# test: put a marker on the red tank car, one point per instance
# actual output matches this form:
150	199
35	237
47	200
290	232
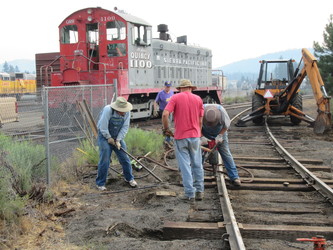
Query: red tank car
98	46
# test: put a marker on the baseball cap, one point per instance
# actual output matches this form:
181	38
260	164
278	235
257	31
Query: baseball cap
167	84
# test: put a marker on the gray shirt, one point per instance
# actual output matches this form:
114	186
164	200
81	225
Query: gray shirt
212	132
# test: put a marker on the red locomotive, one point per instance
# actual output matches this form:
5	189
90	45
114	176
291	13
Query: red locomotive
98	46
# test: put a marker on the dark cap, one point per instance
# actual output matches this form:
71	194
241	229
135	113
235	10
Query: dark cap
212	116
167	84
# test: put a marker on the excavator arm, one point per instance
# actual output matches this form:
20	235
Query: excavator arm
323	121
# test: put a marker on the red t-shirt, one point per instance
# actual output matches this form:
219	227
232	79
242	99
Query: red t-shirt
187	109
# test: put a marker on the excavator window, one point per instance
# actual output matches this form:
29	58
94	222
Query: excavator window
274	75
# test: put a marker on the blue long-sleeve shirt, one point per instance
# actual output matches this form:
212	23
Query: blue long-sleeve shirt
103	123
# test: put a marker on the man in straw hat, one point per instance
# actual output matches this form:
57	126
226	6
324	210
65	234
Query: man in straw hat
112	127
216	122
188	111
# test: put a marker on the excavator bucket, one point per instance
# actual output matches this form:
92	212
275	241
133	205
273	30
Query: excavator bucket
323	123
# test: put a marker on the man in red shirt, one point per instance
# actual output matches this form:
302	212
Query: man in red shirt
188	111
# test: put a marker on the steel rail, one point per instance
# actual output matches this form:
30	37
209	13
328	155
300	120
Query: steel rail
233	234
229	220
307	175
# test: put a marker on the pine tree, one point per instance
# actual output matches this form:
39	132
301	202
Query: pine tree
324	53
6	67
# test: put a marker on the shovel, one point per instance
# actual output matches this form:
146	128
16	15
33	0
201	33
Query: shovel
141	164
323	122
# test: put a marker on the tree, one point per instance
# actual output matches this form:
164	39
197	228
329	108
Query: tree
11	69
324	53
6	67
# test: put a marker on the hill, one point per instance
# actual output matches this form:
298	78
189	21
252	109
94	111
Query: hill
234	71
23	65
249	68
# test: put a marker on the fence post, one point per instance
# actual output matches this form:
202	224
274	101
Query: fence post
115	88
47	133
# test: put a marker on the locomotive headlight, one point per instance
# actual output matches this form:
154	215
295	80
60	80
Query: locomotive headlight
89	18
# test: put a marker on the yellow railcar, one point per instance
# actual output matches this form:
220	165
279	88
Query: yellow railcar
17	84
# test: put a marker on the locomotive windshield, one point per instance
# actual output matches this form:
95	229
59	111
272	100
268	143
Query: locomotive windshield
115	30
69	34
141	35
92	33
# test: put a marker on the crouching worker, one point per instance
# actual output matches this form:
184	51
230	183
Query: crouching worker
216	122
112	127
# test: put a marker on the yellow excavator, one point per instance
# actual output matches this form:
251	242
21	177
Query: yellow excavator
277	93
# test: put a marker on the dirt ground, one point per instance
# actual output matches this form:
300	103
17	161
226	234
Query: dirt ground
122	217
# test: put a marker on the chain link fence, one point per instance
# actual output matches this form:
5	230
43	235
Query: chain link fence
65	121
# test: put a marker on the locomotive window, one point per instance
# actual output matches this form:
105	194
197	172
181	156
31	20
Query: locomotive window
92	33
69	34
116	49
141	35
115	30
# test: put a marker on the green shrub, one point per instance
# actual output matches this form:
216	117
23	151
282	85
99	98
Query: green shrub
140	142
20	168
90	152
237	99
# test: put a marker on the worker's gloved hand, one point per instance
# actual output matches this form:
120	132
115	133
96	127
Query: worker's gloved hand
155	113
204	140
219	139
118	145
111	141
167	132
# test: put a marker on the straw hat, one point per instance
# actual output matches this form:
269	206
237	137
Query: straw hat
185	83
121	105
212	116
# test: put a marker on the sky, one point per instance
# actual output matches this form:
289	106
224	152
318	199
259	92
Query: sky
233	29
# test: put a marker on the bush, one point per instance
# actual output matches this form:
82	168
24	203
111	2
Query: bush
21	169
237	99
140	142
11	205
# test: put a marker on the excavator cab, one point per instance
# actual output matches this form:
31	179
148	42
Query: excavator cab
277	93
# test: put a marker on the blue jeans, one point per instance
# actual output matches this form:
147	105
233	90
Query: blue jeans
105	151
227	158
188	154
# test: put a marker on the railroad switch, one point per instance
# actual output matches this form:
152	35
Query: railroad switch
319	242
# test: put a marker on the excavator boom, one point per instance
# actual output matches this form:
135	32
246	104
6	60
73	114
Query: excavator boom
323	121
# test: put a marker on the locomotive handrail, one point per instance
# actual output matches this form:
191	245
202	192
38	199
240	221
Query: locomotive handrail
46	68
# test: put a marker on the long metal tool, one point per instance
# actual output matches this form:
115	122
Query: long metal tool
159	179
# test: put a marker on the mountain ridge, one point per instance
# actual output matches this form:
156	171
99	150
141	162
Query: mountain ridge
233	71
249	68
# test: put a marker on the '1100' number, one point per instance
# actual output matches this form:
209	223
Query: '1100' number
107	18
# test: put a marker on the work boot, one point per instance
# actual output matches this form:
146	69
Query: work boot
187	199
237	182
199	196
132	183
101	188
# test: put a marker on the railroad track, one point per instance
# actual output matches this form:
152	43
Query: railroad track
282	197
273	207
